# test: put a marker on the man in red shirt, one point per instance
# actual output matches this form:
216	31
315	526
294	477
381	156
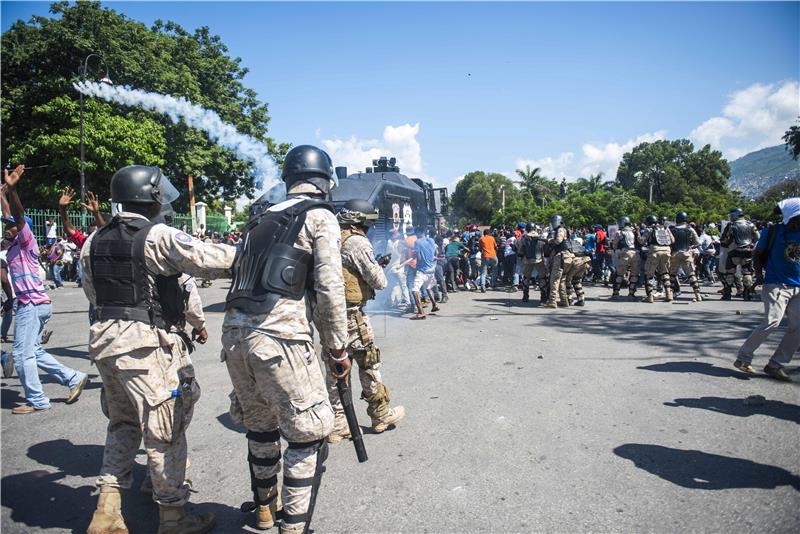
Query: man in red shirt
600	253
73	234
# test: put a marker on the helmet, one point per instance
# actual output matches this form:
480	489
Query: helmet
142	184
663	219
624	221
735	214
306	163
556	221
529	227
167	215
357	212
681	217
650	220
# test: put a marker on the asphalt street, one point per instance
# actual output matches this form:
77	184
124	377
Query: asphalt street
616	417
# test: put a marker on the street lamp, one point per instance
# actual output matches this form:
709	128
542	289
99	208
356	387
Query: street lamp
503	191
105	79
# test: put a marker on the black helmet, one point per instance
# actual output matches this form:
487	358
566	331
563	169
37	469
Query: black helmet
167	215
681	217
663	219
357	212
556	221
529	227
142	184
735	214
650	220
624	221
306	163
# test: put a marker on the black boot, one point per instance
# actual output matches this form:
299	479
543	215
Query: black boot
525	293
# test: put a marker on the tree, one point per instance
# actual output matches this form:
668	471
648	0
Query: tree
478	195
589	185
40	112
792	140
673	169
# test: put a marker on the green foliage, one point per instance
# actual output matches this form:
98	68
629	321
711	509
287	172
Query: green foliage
792	140
40	111
478	195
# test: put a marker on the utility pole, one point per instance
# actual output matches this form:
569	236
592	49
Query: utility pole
191	205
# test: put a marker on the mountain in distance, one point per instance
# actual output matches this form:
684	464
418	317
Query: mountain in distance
754	173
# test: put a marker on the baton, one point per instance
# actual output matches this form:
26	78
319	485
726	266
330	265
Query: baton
350	413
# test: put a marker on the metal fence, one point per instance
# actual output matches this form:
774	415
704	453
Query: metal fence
214	222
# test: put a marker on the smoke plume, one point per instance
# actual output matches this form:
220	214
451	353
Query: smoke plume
179	109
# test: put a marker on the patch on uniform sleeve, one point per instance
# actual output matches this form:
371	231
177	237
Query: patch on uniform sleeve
184	238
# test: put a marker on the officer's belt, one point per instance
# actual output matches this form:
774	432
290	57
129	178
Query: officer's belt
123	313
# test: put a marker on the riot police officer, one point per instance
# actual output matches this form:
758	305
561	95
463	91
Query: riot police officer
287	272
684	240
739	237
531	248
560	260
363	275
131	270
658	241
627	258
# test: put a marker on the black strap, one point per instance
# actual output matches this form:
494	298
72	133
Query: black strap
270	436
265	482
122	313
262	462
306	444
295	518
298	482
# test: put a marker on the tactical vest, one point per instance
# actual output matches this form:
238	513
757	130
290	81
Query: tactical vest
659	236
356	289
742	233
122	282
627	240
534	248
564	246
267	265
681	235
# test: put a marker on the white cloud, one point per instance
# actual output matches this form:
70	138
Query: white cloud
551	167
398	141
606	158
753	118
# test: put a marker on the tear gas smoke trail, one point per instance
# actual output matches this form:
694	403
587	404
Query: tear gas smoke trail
180	109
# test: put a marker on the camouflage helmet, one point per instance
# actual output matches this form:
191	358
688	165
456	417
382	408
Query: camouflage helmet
357	212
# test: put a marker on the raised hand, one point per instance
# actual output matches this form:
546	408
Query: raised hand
66	197
12	179
92	204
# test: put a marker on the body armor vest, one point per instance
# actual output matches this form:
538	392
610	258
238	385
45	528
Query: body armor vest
659	237
742	233
122	282
627	239
681	234
564	246
267	265
534	248
356	289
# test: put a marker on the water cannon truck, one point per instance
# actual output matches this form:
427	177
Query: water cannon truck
402	202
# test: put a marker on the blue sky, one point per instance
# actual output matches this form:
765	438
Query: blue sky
449	88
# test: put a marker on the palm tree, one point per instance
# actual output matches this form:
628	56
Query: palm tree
531	181
590	185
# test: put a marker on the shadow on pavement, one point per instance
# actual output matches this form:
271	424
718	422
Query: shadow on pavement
702	470
218	307
702	368
226	421
737	407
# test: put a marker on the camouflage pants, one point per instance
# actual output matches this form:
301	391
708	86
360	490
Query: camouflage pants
657	263
628	260
361	349
528	268
558	266
279	387
683	259
137	399
739	258
573	277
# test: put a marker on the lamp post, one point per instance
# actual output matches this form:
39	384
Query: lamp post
503	191
105	79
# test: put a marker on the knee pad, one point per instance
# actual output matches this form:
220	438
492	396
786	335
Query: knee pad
320	448
269	437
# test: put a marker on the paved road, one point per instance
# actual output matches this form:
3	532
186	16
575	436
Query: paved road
620	417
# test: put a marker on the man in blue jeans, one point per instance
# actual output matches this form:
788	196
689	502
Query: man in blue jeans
33	308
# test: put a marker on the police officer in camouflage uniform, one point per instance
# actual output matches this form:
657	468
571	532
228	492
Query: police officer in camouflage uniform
131	270
684	240
560	261
287	273
658	240
531	248
573	277
627	257
739	237
363	275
